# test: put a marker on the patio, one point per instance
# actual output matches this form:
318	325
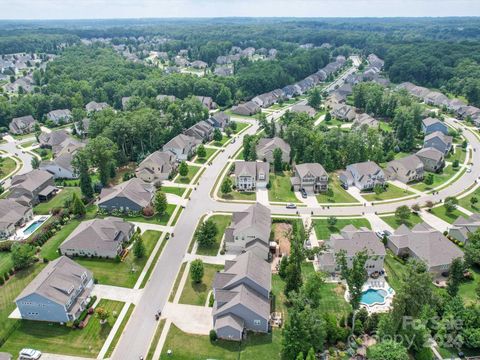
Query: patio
30	227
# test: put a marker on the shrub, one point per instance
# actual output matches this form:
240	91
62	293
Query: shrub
213	335
211	300
148	211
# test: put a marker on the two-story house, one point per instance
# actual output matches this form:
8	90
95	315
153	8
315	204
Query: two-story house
266	147
407	169
310	177
156	167
365	175
439	141
430	125
182	146
464	226
251	175
433	160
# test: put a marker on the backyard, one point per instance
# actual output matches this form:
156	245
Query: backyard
324	230
57	201
392	221
192	170
125	273
222	221
7	166
391	192
196	293
281	188
6	262
336	193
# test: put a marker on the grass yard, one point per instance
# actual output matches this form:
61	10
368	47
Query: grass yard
156	338
392	221
334	122
6	262
220	143
45	154
392	192
332	300
7	166
192	170
459	154
209	153
222	221
281	188
160	220
438	179
195	347
395	270
240	126
196	294
173	190
238	195
57	201
323	230
119	331
465	201
58	339
110	272
177	282
28	143
49	249
468	288
337	193
441	212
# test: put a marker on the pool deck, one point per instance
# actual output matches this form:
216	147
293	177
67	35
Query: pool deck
376	284
20	233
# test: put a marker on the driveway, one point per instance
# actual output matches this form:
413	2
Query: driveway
434	221
189	318
262	197
117	293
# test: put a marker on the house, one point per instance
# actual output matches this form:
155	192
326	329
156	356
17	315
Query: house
201	131
265	100
198	64
310	177
207	101
345	90
170	98
343	112
59	293
365	120
94	106
433	160
60	116
427	244
365	175
98	238
60	167
436	98
462	227
219	120
310	111
407	169
247	109
182	146
351	241
249	230
291	91
242	297
430	125
266	147
250	175
52	139
374	60
333	100
132	195
22	125
223	71
156	167
33	187
12	215
439	141
69	145
81	127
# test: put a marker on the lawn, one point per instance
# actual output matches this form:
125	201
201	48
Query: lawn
209	153
391	192
160	220
438	179
323	230
196	293
119	331
220	143
45	154
126	273
57	201
177	282
6	262
222	221
173	190
58	339
465	201
240	127
392	221
156	338
7	166
334	122
395	270
238	195
332	300
192	170
28	143
281	188
468	288
49	249
337	193
441	212
460	154
195	347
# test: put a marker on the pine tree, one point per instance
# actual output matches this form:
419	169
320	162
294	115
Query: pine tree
78	208
160	202
139	248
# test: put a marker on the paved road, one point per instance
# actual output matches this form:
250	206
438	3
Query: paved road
11	147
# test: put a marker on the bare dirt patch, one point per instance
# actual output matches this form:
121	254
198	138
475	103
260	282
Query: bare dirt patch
281	233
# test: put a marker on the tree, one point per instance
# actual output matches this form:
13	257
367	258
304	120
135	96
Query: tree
472	249
311	289
455	164
201	152
455	276
388	349
139	247
80	165
224	97
226	187
300	356
428	180
378	189
196	270
35	162
315	98
206	233
217	135
102	314
160	202
311	355
450	204
293	271
416	208
473	201
277	160
332	221
78	208
23	255
102	153
328	116
402	214
355	275
183	169
282	268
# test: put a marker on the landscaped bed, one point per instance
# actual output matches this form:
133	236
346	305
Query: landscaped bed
391	192
323	230
281	188
155	219
196	293
222	221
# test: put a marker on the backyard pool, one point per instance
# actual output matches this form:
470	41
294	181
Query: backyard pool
33	226
372	296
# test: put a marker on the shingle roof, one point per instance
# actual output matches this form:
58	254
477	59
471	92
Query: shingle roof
270	144
446	139
11	212
315	169
181	141
157	163
353	240
31	180
430	153
136	190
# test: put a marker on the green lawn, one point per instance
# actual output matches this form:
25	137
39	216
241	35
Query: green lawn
240	127
465	201
468	288
239	195
332	300
459	154
337	193
395	270
6	262
392	221
323	230
58	339
220	143
438	179
45	154
441	212
196	293
222	221
281	188
28	143
57	201
209	152
7	166
119	331
49	249
198	347
173	190
156	338
334	122
192	170
160	220
392	192
177	282
110	272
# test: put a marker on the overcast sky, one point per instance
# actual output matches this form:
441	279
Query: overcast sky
90	9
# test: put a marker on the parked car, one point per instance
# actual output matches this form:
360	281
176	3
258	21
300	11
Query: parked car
345	186
304	193
29	354
291	206
387	232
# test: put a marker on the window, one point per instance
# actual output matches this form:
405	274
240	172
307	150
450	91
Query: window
256	322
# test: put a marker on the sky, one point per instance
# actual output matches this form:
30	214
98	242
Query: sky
103	9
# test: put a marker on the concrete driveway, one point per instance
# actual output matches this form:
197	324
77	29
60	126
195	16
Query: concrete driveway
117	293
189	318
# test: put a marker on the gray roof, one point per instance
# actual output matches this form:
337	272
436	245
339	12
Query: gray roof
410	163
446	139
366	168
31	180
163	97
431	121
229	320
57	115
365	119
430	153
157	163
182	141
53	138
315	169
467	225
135	190
11	212
257	216
270	144
303	109
353	240
94	106
57	281
427	244
251	168
99	234
23	122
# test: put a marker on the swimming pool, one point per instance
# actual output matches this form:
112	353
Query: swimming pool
33	226
372	296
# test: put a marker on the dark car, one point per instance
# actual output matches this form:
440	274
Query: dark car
304	193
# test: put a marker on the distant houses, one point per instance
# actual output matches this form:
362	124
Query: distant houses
430	125
219	120
59	116
182	146
22	125
307	109
251	175
365	120
93	106
247	109
365	175
12	216
266	147
439	141
343	112
156	167
310	177
132	195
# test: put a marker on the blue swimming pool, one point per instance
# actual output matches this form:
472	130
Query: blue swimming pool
372	296
32	227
